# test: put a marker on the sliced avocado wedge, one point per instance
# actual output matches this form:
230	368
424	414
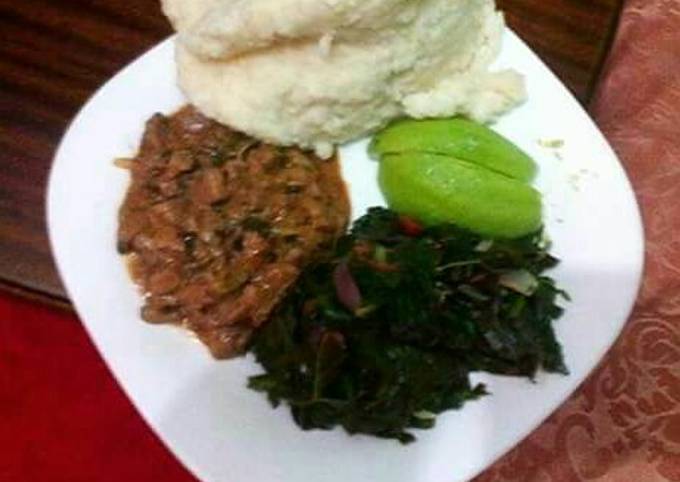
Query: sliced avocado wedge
456	137
439	189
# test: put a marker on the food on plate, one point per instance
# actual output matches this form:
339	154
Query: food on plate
382	334
315	73
457	171
457	137
217	226
243	241
438	189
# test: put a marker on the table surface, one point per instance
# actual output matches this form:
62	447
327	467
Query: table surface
55	53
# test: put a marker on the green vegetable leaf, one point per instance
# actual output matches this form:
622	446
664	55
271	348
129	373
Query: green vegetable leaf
436	306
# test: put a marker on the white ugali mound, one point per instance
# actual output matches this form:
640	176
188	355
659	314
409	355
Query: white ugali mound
321	72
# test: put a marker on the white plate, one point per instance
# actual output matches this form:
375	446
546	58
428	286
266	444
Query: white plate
202	409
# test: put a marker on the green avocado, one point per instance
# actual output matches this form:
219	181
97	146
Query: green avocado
456	137
441	189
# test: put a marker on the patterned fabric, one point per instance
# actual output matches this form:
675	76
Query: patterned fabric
623	424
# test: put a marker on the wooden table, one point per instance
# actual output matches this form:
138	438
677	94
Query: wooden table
55	53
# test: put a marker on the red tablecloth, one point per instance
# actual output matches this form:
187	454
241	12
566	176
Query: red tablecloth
62	416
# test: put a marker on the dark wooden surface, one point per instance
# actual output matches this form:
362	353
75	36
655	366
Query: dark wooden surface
55	53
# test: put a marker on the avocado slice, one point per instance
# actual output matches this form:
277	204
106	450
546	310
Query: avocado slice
439	189
455	137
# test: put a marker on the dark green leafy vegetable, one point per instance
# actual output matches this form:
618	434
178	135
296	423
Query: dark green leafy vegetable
435	305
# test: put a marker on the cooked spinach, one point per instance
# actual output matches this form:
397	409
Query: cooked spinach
426	307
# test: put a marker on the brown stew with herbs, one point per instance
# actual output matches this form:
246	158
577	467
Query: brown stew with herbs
217	225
